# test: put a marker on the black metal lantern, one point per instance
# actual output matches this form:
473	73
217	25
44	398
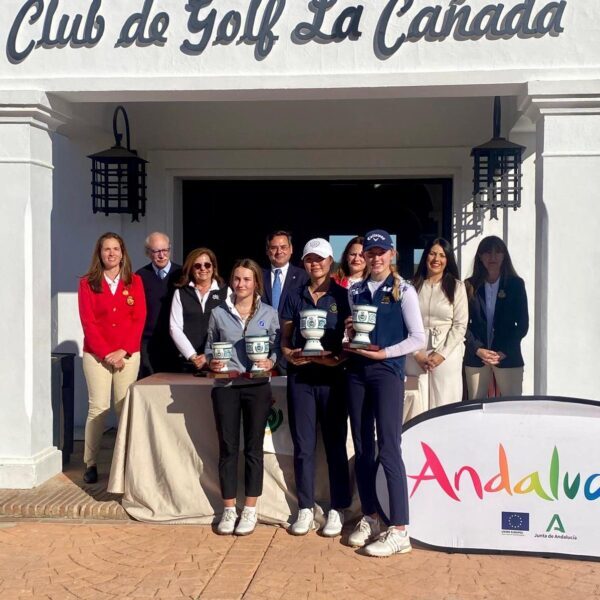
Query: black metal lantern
119	177
497	171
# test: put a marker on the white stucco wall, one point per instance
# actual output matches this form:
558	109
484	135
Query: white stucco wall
314	109
167	167
574	53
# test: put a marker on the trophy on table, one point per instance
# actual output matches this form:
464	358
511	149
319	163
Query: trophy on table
257	348
364	317
312	328
223	351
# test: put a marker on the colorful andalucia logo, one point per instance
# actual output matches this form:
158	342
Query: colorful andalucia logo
550	488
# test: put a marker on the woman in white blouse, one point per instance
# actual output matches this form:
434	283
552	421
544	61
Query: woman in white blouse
444	308
200	289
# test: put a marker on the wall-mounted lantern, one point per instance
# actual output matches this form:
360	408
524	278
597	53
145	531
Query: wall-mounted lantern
497	171
119	177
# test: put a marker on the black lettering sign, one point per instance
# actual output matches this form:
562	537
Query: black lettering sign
45	24
229	27
265	38
433	23
345	26
135	27
382	50
71	31
197	25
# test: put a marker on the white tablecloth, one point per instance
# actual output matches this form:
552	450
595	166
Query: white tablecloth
166	456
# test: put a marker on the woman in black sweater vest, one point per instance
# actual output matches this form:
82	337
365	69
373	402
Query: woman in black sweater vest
199	290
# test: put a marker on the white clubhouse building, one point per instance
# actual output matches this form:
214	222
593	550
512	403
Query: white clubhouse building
228	91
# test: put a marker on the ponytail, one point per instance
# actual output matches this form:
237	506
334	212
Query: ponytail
253	311
396	293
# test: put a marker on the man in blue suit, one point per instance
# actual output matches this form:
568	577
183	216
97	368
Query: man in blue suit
282	278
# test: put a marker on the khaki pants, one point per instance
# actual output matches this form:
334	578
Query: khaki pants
443	385
100	379
509	381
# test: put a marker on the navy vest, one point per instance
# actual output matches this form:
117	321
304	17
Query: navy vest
389	328
159	293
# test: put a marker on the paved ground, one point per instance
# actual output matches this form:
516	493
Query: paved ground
90	550
66	496
103	561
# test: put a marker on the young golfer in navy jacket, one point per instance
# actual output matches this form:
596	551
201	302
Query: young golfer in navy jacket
316	390
376	394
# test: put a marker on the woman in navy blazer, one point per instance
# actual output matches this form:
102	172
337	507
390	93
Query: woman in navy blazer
498	321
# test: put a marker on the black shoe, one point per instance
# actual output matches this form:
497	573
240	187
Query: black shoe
91	474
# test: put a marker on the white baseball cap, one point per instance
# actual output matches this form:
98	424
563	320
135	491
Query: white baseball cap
318	246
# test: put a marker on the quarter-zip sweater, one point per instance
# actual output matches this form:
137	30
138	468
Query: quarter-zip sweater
226	325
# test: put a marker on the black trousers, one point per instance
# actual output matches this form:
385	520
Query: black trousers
230	404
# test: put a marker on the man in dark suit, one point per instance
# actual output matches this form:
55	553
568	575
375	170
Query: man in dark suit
158	352
282	278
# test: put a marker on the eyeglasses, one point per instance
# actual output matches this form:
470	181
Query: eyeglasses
161	251
206	265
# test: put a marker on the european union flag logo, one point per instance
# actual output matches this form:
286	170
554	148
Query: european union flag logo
514	521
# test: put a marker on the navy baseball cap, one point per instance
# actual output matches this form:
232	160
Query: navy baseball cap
377	238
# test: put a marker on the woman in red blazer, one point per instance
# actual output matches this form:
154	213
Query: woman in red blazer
112	308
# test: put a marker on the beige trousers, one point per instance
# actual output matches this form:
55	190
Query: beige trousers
100	379
509	381
439	387
414	403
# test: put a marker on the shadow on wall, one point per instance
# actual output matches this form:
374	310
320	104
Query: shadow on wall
470	221
73	230
79	386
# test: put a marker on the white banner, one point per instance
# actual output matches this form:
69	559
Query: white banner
506	475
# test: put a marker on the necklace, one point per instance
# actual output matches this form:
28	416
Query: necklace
111	277
243	313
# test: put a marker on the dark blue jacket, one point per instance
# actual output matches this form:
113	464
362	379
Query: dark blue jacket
157	342
511	323
335	302
390	327
295	279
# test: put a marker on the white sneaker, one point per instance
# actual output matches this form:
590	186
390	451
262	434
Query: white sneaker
227	523
393	541
366	530
247	522
304	522
335	522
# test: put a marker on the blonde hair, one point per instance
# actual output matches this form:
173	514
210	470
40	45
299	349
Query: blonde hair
396	294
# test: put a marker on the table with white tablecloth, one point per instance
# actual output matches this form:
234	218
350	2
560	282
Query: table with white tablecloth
165	461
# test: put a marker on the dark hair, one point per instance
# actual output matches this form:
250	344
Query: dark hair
188	267
450	274
96	271
487	244
279	232
248	263
343	269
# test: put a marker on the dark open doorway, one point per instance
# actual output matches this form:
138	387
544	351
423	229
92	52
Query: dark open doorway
233	217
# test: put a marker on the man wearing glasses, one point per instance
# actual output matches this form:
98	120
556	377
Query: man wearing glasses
158	353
